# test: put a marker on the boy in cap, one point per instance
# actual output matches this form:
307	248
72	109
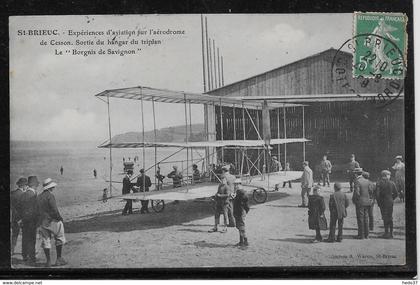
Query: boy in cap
16	207
51	223
386	192
240	209
29	220
338	205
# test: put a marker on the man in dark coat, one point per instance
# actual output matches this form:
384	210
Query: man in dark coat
16	207
240	209
51	223
127	185
353	164
337	205
144	183
370	212
29	220
386	192
363	199
316	207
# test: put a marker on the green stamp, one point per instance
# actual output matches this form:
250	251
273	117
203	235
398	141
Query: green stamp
380	41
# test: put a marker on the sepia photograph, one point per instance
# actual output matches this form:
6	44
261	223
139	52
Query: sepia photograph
209	141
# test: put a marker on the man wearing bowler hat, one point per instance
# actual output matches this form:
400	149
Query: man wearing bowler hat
51	223
29	220
16	207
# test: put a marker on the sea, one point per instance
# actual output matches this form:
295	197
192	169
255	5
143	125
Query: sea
77	184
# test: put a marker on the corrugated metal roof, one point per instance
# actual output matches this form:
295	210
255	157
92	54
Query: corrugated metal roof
254	77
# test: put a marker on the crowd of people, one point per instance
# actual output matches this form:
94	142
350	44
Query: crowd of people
144	183
33	213
364	195
231	200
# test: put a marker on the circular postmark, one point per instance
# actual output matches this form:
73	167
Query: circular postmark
376	76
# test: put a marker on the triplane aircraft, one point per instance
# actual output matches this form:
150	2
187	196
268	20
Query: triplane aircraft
255	180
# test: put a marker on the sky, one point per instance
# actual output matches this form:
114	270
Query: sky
52	96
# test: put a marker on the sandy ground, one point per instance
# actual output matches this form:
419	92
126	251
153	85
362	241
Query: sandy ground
98	236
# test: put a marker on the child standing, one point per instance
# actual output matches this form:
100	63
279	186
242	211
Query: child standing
240	209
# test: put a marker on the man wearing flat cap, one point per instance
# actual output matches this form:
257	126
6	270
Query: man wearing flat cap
29	220
362	199
51	223
386	192
399	168
16	207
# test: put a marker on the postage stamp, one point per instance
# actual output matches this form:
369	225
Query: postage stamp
382	53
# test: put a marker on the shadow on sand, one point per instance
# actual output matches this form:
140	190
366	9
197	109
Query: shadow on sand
205	244
283	206
174	214
296	240
195	230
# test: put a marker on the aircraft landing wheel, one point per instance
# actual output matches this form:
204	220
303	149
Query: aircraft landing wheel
158	205
259	195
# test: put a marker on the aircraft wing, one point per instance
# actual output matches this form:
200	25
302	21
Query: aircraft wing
172	96
190	192
203	144
269	181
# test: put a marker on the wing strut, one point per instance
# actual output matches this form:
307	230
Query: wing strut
110	151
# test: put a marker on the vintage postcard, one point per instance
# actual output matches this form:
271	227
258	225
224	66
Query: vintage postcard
209	141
